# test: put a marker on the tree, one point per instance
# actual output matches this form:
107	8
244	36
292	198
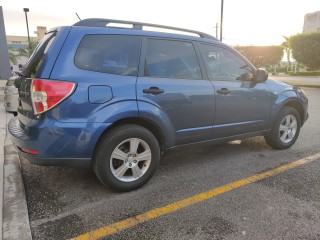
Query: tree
262	56
15	54
27	52
12	55
287	49
306	48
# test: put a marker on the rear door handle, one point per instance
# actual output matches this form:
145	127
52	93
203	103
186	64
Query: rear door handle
153	90
224	91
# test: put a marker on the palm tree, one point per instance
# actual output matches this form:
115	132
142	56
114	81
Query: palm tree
12	55
27	52
15	54
288	51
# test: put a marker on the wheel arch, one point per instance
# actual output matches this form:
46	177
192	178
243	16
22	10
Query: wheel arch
275	137
287	98
151	126
298	107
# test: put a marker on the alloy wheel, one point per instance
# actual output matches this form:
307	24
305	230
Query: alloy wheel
130	160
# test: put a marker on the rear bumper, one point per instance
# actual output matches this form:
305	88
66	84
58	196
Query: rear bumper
63	144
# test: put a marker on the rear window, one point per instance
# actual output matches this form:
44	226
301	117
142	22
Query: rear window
114	54
37	56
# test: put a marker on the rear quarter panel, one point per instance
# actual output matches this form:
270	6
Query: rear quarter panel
78	107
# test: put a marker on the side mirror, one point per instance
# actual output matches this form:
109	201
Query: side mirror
261	75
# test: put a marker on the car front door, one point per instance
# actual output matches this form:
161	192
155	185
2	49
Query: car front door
242	104
170	86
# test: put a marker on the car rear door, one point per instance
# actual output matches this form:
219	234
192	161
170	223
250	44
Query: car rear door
170	85
242	105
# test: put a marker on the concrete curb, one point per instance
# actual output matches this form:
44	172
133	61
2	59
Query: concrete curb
15	211
3	121
15	219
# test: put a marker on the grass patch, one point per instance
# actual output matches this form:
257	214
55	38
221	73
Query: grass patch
308	73
303	84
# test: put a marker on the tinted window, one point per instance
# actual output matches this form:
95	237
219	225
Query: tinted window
37	56
223	64
114	54
171	59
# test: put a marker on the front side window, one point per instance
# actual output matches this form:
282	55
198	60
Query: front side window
171	59
114	54
225	65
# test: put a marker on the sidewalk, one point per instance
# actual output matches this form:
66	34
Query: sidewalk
14	212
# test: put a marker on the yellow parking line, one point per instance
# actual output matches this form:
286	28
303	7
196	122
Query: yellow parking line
157	212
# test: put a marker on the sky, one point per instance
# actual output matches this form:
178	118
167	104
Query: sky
245	22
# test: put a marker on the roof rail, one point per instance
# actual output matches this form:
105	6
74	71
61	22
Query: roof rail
100	22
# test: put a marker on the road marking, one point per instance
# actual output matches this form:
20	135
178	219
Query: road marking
157	212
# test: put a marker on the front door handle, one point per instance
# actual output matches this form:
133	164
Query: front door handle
224	91
153	90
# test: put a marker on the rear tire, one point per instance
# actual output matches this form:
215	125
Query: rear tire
285	130
126	157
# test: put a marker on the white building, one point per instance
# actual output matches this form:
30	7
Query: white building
311	22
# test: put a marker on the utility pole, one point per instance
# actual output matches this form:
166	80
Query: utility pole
221	20
216	30
25	12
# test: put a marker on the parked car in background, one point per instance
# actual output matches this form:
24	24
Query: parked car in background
11	96
117	99
14	74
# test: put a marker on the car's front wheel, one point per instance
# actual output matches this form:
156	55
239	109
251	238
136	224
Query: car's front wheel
126	157
285	130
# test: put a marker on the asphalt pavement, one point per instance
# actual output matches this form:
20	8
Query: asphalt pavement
63	203
66	202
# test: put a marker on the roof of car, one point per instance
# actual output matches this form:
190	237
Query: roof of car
107	23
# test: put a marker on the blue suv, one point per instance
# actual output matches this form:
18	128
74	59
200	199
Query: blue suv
112	95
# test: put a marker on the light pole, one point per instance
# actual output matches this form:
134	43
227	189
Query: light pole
221	20
25	12
217	30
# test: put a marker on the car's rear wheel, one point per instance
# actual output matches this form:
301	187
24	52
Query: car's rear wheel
286	129
126	157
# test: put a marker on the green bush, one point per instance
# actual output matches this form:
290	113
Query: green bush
305	48
262	56
308	73
280	69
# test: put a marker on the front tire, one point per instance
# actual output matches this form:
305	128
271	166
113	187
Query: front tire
285	130
126	157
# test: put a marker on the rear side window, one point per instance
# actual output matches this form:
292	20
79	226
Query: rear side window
114	54
37	56
171	59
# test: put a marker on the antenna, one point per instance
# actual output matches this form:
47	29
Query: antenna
78	16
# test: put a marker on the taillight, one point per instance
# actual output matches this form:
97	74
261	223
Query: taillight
46	94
